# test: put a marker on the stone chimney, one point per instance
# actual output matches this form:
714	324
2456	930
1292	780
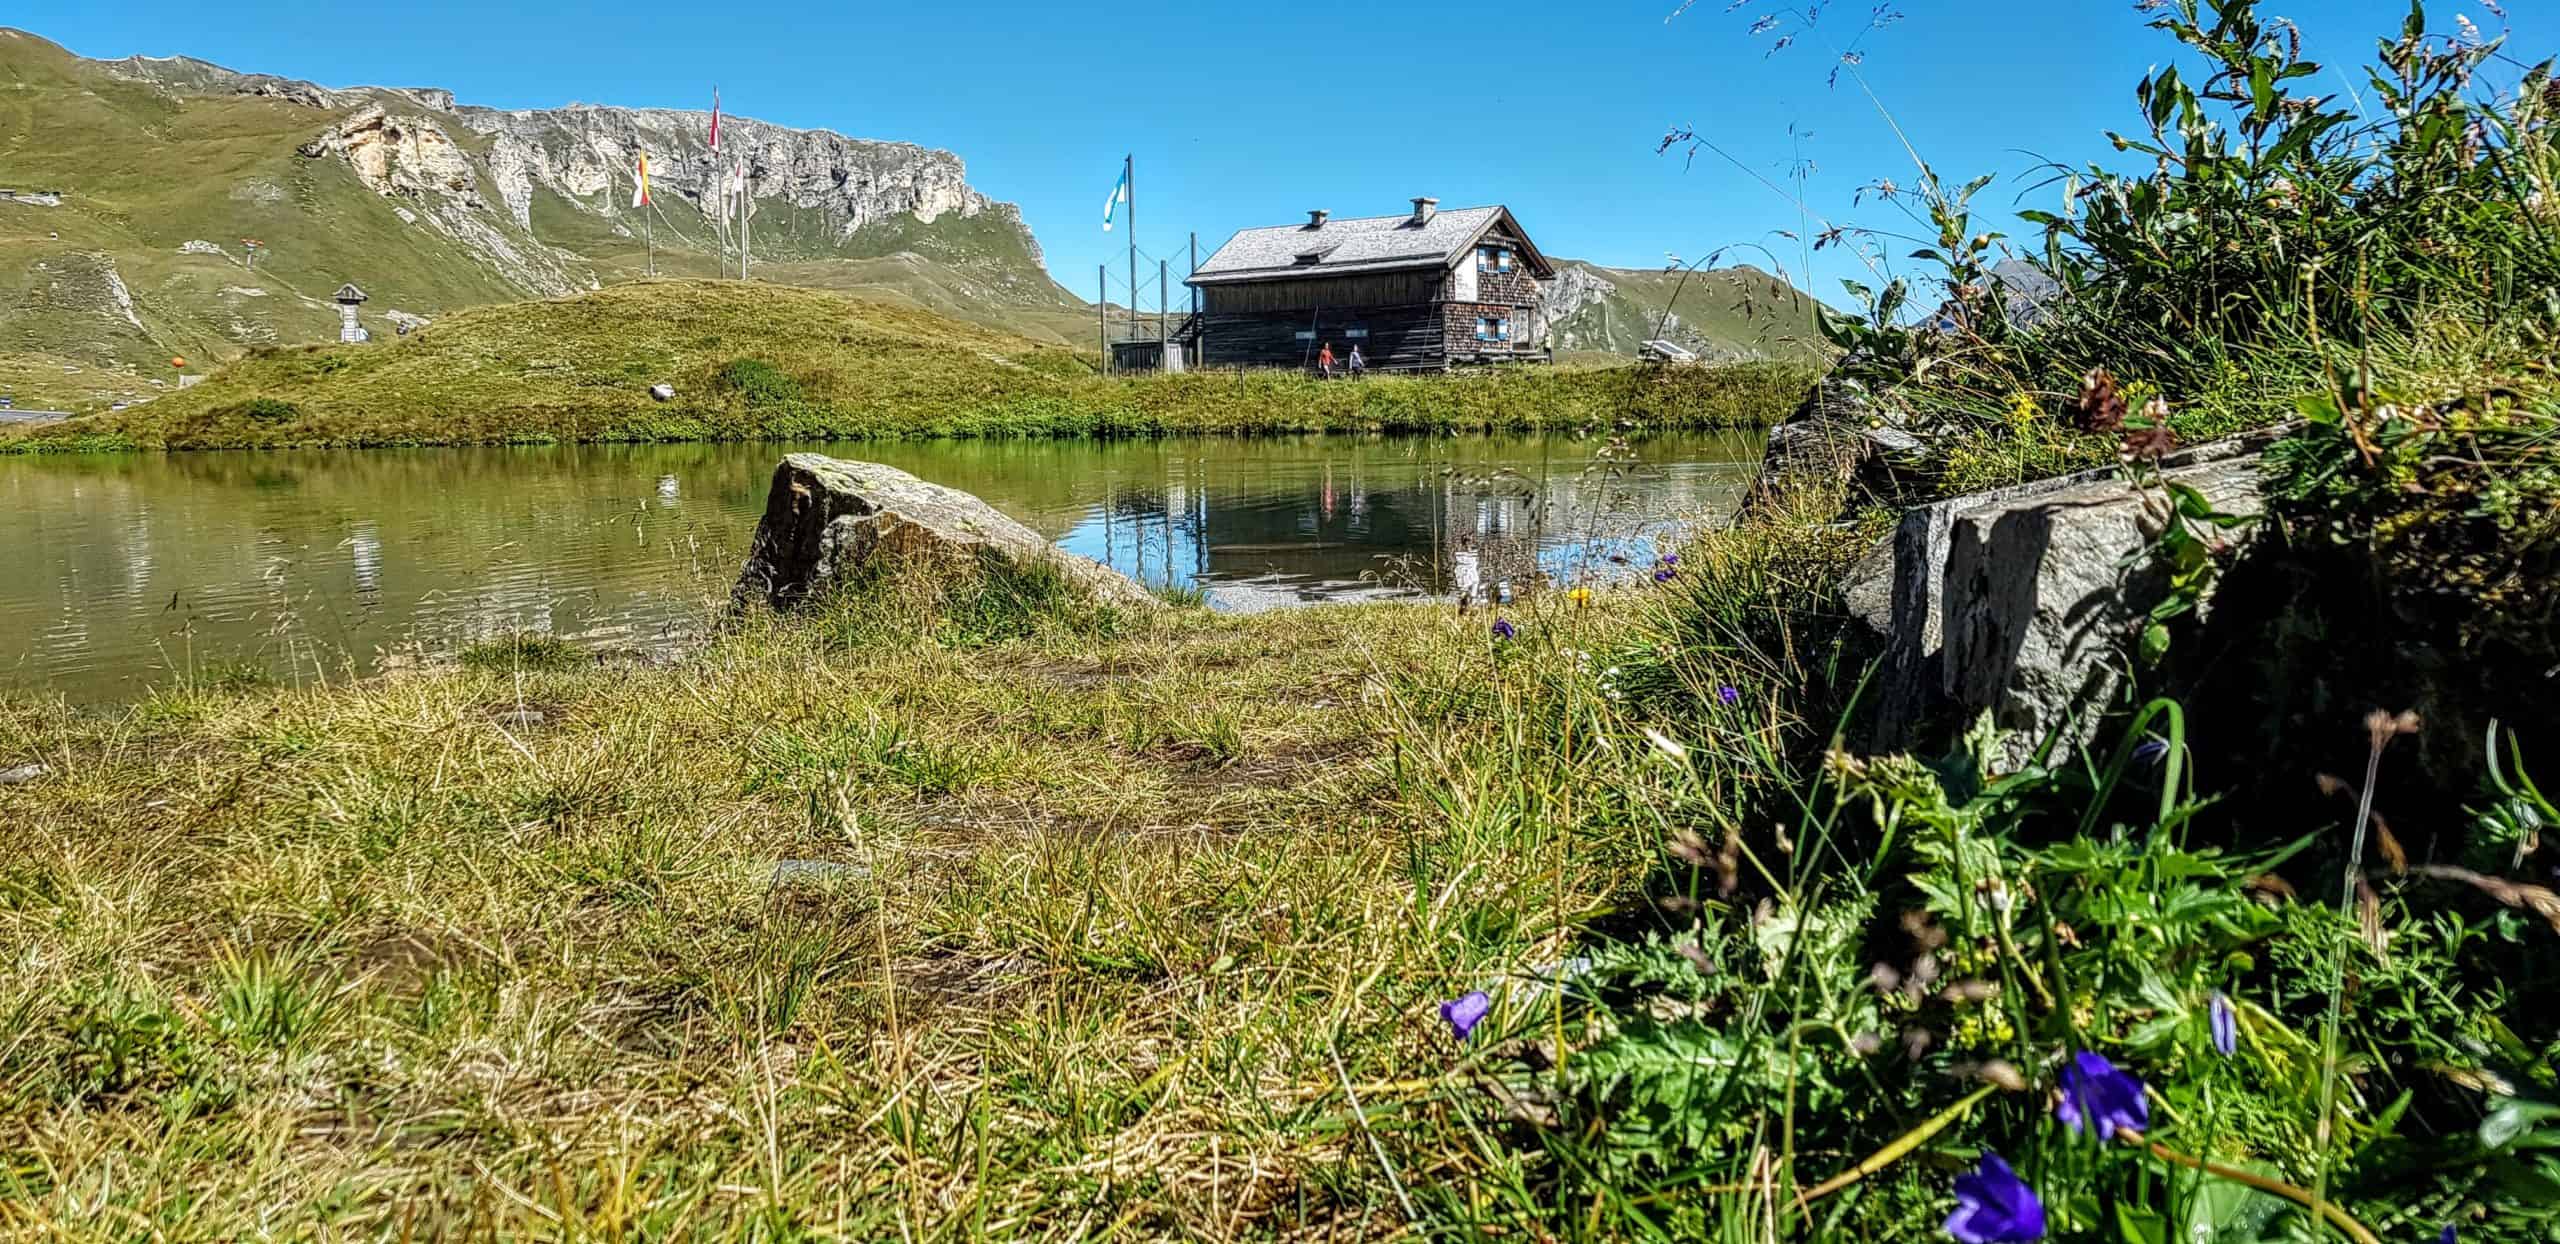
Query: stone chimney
1424	210
1316	218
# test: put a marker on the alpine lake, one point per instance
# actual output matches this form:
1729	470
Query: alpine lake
122	573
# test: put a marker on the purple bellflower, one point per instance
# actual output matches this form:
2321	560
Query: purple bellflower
2226	1025
2099	1098
1464	1013
1994	1206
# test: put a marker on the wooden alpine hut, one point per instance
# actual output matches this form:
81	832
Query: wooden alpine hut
1424	291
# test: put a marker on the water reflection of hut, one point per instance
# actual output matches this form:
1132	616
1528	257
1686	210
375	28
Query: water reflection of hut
1492	535
1361	524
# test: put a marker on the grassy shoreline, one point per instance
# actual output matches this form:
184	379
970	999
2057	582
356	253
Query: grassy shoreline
767	363
1105	903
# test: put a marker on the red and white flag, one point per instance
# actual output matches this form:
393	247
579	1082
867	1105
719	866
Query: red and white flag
715	118
640	183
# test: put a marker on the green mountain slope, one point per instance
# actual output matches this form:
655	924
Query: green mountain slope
1723	314
135	183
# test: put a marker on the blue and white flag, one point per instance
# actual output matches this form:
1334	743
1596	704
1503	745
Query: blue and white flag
1119	195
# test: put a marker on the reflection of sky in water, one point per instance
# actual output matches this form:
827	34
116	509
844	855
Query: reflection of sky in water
119	573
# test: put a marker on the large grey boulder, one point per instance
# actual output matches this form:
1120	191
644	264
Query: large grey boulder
827	517
2027	601
1839	441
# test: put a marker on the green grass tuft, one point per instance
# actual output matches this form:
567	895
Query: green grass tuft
525	650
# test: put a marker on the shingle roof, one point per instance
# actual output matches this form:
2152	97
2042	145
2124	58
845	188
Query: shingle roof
1361	244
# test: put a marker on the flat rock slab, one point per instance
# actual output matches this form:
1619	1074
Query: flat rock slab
827	517
2026	601
21	775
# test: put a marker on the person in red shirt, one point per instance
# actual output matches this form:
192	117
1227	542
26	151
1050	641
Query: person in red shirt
1324	361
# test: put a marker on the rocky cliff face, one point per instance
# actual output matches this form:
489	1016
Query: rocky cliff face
584	151
476	174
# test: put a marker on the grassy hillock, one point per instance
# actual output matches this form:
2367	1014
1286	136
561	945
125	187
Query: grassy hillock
751	361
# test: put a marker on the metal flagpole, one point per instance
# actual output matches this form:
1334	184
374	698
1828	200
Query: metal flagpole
1130	177
1102	312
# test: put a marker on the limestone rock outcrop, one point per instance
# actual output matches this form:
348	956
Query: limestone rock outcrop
402	155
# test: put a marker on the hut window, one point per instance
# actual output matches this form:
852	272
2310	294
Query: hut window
1306	334
1492	328
1493	259
1357	332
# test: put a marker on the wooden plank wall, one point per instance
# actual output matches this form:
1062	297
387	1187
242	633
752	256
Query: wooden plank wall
1381	289
1405	338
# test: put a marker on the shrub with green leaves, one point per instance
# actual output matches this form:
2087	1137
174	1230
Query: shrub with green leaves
2281	234
759	382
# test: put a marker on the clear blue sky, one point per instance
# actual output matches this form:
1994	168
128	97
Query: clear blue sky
1243	115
